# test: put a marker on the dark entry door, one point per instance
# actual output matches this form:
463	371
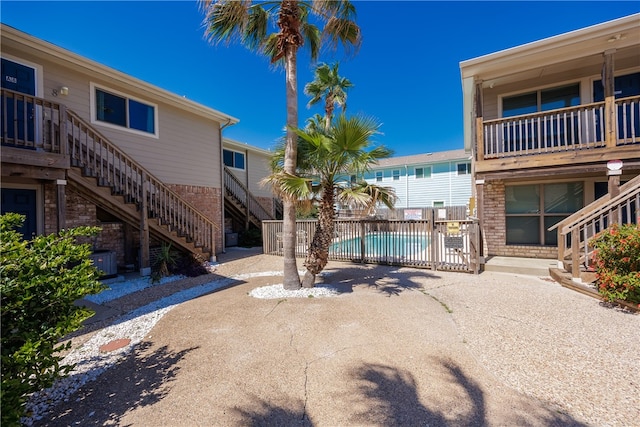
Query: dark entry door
23	202
19	78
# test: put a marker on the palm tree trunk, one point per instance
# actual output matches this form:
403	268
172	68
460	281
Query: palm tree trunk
291	278
318	255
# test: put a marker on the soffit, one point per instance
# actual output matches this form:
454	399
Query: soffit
578	49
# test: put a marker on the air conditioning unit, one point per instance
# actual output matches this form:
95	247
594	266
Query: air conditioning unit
105	261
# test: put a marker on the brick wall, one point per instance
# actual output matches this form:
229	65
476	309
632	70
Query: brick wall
112	238
207	200
50	209
494	227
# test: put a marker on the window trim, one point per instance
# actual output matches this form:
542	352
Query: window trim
379	176
94	114
234	159
468	169
427	172
433	204
395	176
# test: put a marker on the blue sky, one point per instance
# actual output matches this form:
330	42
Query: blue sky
406	73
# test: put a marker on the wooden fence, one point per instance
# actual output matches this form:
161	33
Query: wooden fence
425	243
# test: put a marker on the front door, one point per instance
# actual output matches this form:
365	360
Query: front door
23	202
20	121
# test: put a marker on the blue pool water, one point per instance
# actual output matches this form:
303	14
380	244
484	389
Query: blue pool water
382	244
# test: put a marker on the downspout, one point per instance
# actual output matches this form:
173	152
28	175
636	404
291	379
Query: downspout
406	185
222	217
451	171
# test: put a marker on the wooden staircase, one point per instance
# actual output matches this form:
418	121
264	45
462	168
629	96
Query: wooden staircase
575	231
111	179
241	204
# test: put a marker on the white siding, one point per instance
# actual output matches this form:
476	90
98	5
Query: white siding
443	185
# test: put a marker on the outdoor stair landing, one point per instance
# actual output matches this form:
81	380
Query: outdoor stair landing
516	265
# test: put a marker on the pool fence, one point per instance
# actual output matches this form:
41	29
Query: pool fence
438	242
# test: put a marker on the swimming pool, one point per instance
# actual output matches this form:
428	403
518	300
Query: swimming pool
382	244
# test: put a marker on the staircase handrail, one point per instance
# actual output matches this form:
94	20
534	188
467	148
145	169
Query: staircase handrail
597	207
113	166
234	185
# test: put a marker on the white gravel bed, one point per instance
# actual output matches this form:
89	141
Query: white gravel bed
90	362
116	290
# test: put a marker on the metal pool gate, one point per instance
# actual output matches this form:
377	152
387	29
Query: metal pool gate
438	245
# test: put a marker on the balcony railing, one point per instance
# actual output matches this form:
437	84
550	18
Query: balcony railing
568	129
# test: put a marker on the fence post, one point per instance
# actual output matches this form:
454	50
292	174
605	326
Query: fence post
435	240
362	247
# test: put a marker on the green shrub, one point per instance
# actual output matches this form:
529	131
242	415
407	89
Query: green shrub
617	262
165	262
39	282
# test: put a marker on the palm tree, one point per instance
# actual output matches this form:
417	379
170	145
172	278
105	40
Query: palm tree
328	85
324	159
249	23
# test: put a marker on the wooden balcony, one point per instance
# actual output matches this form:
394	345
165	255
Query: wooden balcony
586	134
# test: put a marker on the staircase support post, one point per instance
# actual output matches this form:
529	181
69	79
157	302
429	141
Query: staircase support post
575	255
62	203
145	263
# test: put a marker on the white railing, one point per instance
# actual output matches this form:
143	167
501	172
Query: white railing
575	231
568	129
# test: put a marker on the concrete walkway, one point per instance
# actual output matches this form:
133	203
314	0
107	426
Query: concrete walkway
397	347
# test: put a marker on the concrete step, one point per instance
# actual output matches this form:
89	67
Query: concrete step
516	265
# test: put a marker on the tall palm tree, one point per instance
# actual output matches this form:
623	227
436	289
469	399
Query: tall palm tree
325	157
328	85
279	29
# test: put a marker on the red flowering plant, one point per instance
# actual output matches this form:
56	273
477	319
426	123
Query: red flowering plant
617	261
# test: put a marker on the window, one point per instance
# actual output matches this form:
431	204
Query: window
423	173
122	111
555	131
464	168
378	176
541	100
396	174
532	209
438	204
233	159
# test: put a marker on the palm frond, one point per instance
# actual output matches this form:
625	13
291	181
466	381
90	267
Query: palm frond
290	187
225	20
255	33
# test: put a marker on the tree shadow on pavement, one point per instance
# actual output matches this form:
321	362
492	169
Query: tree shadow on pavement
140	379
386	279
391	398
267	415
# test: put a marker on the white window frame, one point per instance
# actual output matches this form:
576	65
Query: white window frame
438	204
234	159
468	168
395	174
426	172
94	120
379	176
